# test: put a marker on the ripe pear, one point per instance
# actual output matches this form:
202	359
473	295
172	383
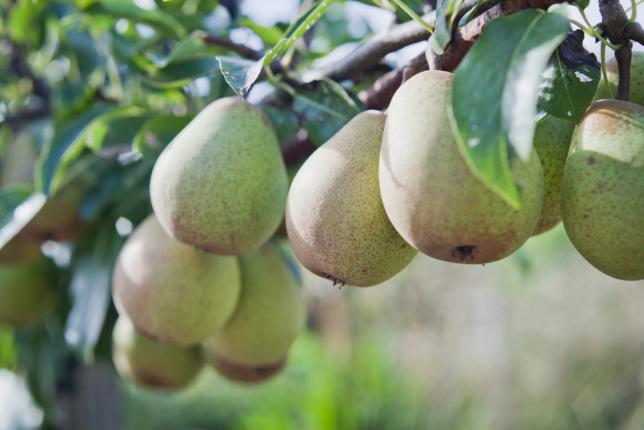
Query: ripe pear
27	291
221	183
636	87
602	198
335	220
268	318
431	195
150	363
551	141
170	291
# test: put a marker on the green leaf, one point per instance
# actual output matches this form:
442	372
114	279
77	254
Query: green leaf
115	128
157	132
285	122
495	91
18	209
90	288
443	31
129	10
180	73
570	81
239	73
7	349
65	147
325	108
269	35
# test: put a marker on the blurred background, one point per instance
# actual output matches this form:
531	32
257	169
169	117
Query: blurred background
540	340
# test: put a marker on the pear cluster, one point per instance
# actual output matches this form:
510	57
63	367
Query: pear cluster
197	282
388	185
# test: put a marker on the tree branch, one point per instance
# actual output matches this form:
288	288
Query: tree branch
634	32
464	37
370	52
614	23
379	95
242	50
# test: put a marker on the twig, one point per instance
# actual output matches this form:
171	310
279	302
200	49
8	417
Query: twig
242	50
614	23
379	95
465	36
299	147
634	32
369	53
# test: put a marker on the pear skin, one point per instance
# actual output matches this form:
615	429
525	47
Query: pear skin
246	374
602	198
269	317
221	184
173	292
431	195
552	141
152	364
335	219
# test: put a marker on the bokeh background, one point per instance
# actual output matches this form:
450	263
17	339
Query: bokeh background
540	340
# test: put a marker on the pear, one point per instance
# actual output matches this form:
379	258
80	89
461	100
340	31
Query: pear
27	291
170	291
221	183
551	141
602	197
636	86
268	318
150	363
431	195
335	220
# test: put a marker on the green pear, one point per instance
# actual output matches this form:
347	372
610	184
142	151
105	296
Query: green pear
268	318
636	86
170	291
431	195
27	291
221	183
602	197
335	220
150	363
551	141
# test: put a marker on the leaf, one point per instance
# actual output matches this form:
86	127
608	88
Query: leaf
571	80
90	288
180	73
443	31
157	132
115	128
19	210
129	10
239	73
269	35
495	91
285	122
325	108
65	147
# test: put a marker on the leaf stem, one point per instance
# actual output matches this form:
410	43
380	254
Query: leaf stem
427	26
595	34
604	73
